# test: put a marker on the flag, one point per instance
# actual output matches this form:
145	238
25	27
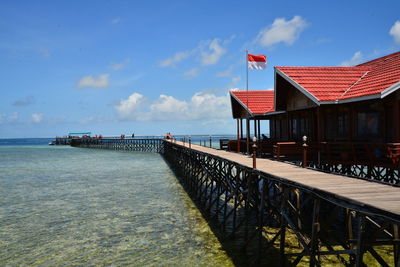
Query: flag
257	62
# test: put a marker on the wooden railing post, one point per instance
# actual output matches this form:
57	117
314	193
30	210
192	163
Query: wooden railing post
254	152
304	152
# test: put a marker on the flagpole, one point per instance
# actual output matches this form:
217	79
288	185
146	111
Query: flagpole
247	104
247	78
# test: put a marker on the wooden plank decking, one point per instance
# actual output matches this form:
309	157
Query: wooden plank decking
365	193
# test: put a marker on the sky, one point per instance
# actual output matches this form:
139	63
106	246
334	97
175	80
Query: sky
151	67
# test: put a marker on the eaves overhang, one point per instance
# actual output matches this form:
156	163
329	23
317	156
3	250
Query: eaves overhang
242	104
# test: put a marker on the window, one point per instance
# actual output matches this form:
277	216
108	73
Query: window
368	123
330	130
342	124
294	128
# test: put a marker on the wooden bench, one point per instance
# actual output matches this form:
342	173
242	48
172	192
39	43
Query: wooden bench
265	147
346	153
223	144
394	154
287	150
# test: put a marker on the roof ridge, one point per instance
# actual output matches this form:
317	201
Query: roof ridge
327	67
379	60
351	86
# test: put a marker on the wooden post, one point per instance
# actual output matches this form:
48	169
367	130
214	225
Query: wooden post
238	139
247	135
360	240
259	129
305	152
190	142
283	210
254	152
315	231
255	127
210	142
241	128
396	246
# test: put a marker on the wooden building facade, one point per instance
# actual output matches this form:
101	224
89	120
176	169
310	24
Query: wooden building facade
374	120
344	108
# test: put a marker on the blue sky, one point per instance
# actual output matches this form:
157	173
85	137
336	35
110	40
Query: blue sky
150	67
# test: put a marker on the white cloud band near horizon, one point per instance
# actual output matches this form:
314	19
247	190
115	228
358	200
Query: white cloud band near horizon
200	106
8	118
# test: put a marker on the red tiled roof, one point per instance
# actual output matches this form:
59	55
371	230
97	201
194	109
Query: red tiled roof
385	73
338	83
258	102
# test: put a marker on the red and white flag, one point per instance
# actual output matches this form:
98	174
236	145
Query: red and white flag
257	62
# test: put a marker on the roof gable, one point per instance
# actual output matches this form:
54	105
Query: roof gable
256	102
325	83
375	78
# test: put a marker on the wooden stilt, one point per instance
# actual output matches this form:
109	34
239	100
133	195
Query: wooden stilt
360	240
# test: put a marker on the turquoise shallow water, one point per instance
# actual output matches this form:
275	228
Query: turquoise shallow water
82	207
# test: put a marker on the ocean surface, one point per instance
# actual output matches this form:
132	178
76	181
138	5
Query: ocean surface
83	207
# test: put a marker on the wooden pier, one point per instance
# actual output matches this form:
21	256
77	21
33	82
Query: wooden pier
331	216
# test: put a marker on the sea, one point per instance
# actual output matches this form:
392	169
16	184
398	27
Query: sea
68	206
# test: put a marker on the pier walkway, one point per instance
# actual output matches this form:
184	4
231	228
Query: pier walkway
355	191
280	210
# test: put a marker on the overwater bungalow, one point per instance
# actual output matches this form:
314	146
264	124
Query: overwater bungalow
349	117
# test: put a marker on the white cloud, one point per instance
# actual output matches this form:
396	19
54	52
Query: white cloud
167	108
235	79
115	20
356	59
226	73
37	117
210	106
207	52
168	104
395	31
127	108
119	66
8	118
213	53
194	72
178	57
91	81
281	31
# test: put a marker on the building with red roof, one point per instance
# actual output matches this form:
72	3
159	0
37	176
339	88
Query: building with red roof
357	105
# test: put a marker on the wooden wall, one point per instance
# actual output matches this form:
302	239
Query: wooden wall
364	121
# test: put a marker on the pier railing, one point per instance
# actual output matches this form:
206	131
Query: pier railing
264	212
274	220
372	161
141	145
